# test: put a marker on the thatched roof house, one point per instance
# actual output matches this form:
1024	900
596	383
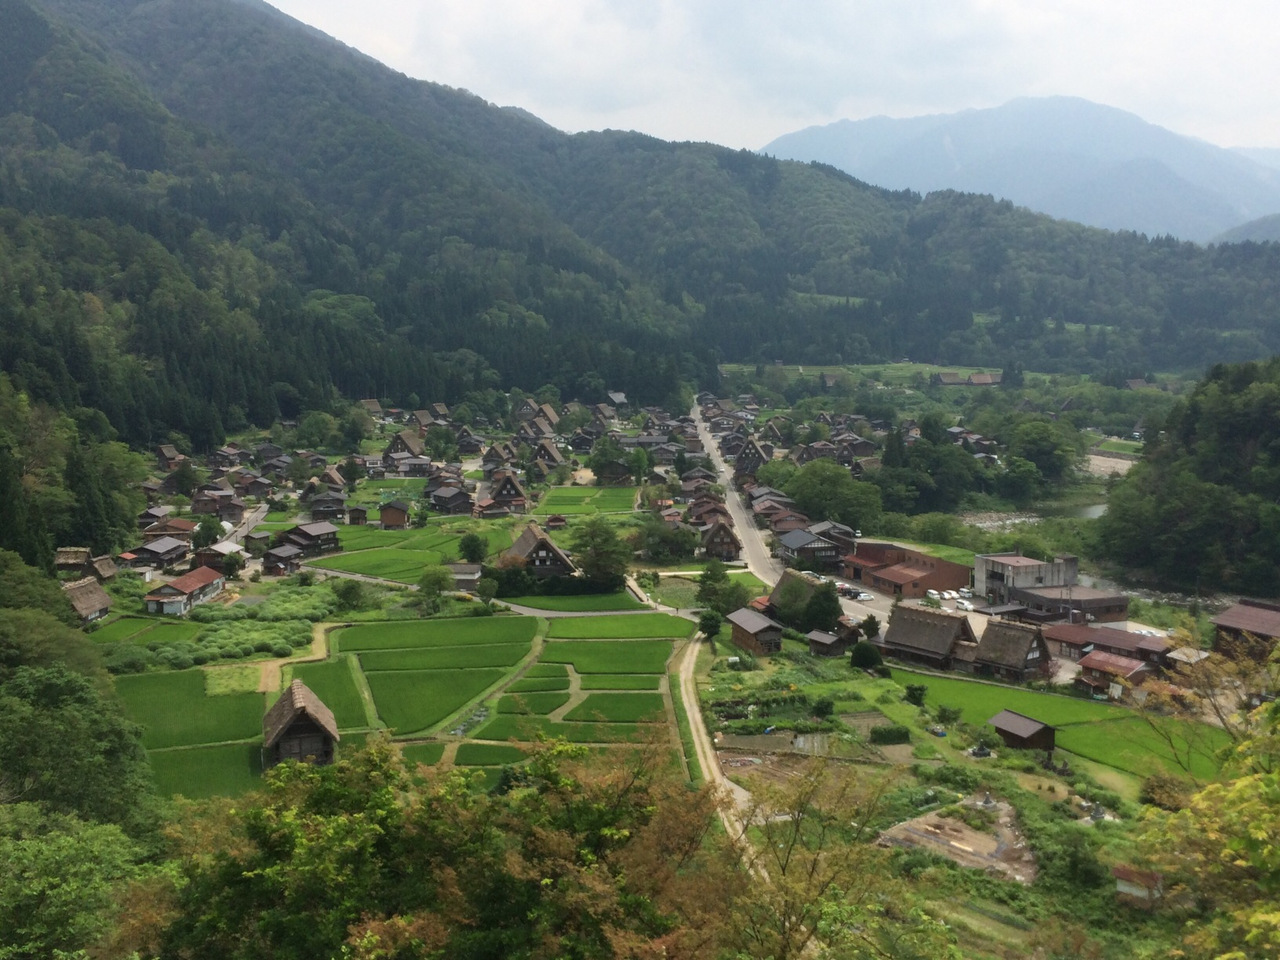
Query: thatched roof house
926	636
298	727
91	602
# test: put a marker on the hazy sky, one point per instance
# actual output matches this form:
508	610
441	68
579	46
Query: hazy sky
743	72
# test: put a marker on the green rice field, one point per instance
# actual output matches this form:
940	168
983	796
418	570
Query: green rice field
410	701
536	703
427	633
333	682
613	681
620	708
547	670
1130	744
122	629
539	685
580	501
445	658
591	602
623	656
622	626
527	728
982	701
392	563
428	753
220	770
487	754
174	711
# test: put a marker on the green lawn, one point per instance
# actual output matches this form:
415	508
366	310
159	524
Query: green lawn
428	753
540	685
334	683
612	681
1131	744
623	656
410	701
620	708
591	602
456	631
982	701
623	626
1121	446
222	770
487	754
536	703
174	711
444	658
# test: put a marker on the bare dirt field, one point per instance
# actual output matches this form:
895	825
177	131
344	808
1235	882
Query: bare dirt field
1003	849
1101	466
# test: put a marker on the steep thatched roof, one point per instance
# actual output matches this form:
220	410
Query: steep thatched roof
1006	644
297	701
87	596
933	632
530	539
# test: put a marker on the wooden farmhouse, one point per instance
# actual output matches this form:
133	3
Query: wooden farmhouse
754	632
181	594
298	727
91	602
539	554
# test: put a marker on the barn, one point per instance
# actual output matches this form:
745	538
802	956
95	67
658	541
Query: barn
298	727
1021	732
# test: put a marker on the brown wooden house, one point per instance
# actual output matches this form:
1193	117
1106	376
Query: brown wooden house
1020	732
298	727
754	632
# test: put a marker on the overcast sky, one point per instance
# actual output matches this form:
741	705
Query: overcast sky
743	72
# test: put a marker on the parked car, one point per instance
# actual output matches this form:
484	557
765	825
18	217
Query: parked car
950	595
965	592
865	597
933	594
963	604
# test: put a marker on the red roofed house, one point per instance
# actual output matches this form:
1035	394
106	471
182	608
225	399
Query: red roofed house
901	571
180	595
1102	673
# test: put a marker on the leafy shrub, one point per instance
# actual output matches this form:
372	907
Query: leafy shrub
890	733
865	655
127	659
282	650
915	694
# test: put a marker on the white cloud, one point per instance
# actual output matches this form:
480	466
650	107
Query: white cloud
743	72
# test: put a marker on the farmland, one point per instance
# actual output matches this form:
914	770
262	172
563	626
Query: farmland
622	656
623	626
580	501
174	711
410	701
534	703
443	658
223	769
585	603
334	683
427	633
619	708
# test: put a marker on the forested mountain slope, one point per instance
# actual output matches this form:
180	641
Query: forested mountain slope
215	215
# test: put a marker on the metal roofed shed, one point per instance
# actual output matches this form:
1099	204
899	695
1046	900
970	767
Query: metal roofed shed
1020	732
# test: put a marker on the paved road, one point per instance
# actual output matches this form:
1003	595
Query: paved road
755	548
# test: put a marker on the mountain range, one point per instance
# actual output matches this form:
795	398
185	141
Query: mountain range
212	215
1063	156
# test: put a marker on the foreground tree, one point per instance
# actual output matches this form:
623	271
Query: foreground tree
601	556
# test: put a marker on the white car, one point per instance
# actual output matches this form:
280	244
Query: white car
933	594
950	595
965	592
963	604
865	597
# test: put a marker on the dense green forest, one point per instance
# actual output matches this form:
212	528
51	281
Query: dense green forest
1201	509
212	216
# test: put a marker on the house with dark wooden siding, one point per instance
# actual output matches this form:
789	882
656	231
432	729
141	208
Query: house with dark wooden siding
539	554
719	541
1009	650
299	727
1021	732
754	632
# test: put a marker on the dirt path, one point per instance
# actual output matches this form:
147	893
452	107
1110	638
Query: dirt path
269	680
734	799
576	695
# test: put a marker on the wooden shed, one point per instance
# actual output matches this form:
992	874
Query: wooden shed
298	727
1021	732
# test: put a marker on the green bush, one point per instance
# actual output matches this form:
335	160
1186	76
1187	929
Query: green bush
865	655
890	733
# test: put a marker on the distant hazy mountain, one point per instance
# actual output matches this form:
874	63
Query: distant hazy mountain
1264	228
1063	156
1267	156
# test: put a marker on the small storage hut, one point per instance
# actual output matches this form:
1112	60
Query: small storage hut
298	727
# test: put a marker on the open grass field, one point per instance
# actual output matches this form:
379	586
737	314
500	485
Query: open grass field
333	682
539	685
445	658
1121	446
487	754
613	681
221	770
457	631
982	701
410	701
387	563
623	656
1130	744
122	629
540	704
428	753
622	627
526	729
620	708
174	712
591	602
